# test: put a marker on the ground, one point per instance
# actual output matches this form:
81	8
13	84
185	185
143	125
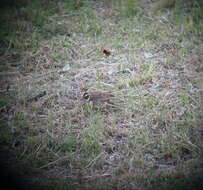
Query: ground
151	139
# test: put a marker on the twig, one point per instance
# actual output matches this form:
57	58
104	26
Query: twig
52	163
66	15
96	176
94	160
9	73
7	90
107	84
70	15
48	73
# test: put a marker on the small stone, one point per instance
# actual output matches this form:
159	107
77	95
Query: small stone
66	68
148	55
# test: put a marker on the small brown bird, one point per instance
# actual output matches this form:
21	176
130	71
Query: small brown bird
98	98
106	52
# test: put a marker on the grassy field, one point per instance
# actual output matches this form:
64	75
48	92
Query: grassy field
50	51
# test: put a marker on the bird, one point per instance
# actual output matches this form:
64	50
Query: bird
99	98
106	52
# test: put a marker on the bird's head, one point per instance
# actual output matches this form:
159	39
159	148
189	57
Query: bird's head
85	96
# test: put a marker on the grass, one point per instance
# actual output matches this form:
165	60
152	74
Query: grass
93	136
153	139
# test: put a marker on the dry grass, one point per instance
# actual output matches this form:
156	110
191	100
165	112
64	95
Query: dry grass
155	136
